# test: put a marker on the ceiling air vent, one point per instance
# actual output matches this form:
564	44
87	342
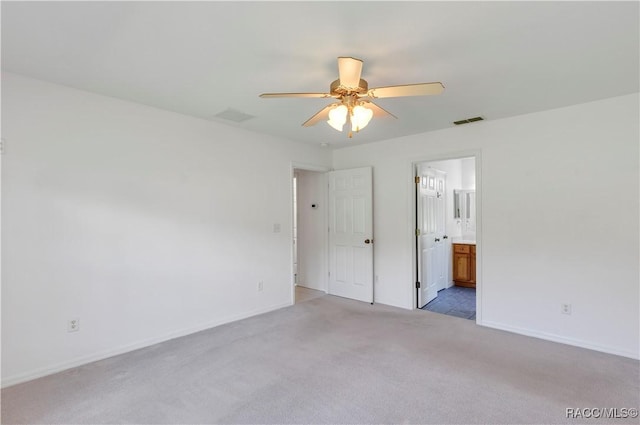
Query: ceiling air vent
233	115
468	120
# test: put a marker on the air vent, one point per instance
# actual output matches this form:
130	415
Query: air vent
468	120
233	115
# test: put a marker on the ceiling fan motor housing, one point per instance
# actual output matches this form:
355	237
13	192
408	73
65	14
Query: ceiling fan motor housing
338	90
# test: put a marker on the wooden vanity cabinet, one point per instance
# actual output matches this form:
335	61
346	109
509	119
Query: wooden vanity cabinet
473	265
464	265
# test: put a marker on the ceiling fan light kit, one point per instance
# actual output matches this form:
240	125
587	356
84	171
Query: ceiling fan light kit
337	117
349	110
354	97
360	117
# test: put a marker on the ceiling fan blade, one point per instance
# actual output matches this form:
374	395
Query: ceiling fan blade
322	115
318	95
350	70
422	89
377	110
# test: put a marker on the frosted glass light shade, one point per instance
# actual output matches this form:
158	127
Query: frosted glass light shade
360	118
337	117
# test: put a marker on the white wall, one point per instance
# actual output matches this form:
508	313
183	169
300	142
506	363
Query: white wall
560	208
142	223
468	170
312	230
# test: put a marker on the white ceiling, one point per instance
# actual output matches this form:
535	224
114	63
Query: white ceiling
496	59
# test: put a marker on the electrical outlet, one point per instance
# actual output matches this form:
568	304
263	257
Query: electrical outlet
276	228
565	309
377	279
260	286
73	325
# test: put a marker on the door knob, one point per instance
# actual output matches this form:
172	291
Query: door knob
367	241
437	240
445	237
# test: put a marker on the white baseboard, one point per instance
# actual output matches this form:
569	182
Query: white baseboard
79	361
302	285
561	339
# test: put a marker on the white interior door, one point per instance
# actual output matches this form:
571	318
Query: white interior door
295	229
351	234
441	233
431	247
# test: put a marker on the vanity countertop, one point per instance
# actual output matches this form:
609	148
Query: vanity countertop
464	241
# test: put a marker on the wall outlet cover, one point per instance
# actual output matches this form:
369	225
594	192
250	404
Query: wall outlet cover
73	325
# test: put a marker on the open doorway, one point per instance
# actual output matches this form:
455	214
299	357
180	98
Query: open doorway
446	237
309	244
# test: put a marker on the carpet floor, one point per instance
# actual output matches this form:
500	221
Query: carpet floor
303	294
332	360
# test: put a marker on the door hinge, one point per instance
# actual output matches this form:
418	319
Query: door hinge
417	285
417	179
417	232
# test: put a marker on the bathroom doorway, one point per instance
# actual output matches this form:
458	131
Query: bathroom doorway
446	237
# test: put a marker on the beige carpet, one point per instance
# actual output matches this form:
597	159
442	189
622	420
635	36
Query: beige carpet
305	294
331	360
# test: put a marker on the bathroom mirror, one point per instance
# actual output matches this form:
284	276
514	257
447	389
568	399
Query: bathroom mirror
464	204
464	210
470	205
457	208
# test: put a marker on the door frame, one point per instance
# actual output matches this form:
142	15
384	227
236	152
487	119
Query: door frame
477	154
325	248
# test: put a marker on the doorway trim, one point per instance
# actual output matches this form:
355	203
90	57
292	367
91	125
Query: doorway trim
325	248
477	154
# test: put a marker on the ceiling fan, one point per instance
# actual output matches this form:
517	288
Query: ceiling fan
354	97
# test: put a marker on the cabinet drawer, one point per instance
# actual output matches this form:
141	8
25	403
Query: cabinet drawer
462	249
473	249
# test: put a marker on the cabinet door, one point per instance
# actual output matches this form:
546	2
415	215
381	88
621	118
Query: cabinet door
473	266
461	267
